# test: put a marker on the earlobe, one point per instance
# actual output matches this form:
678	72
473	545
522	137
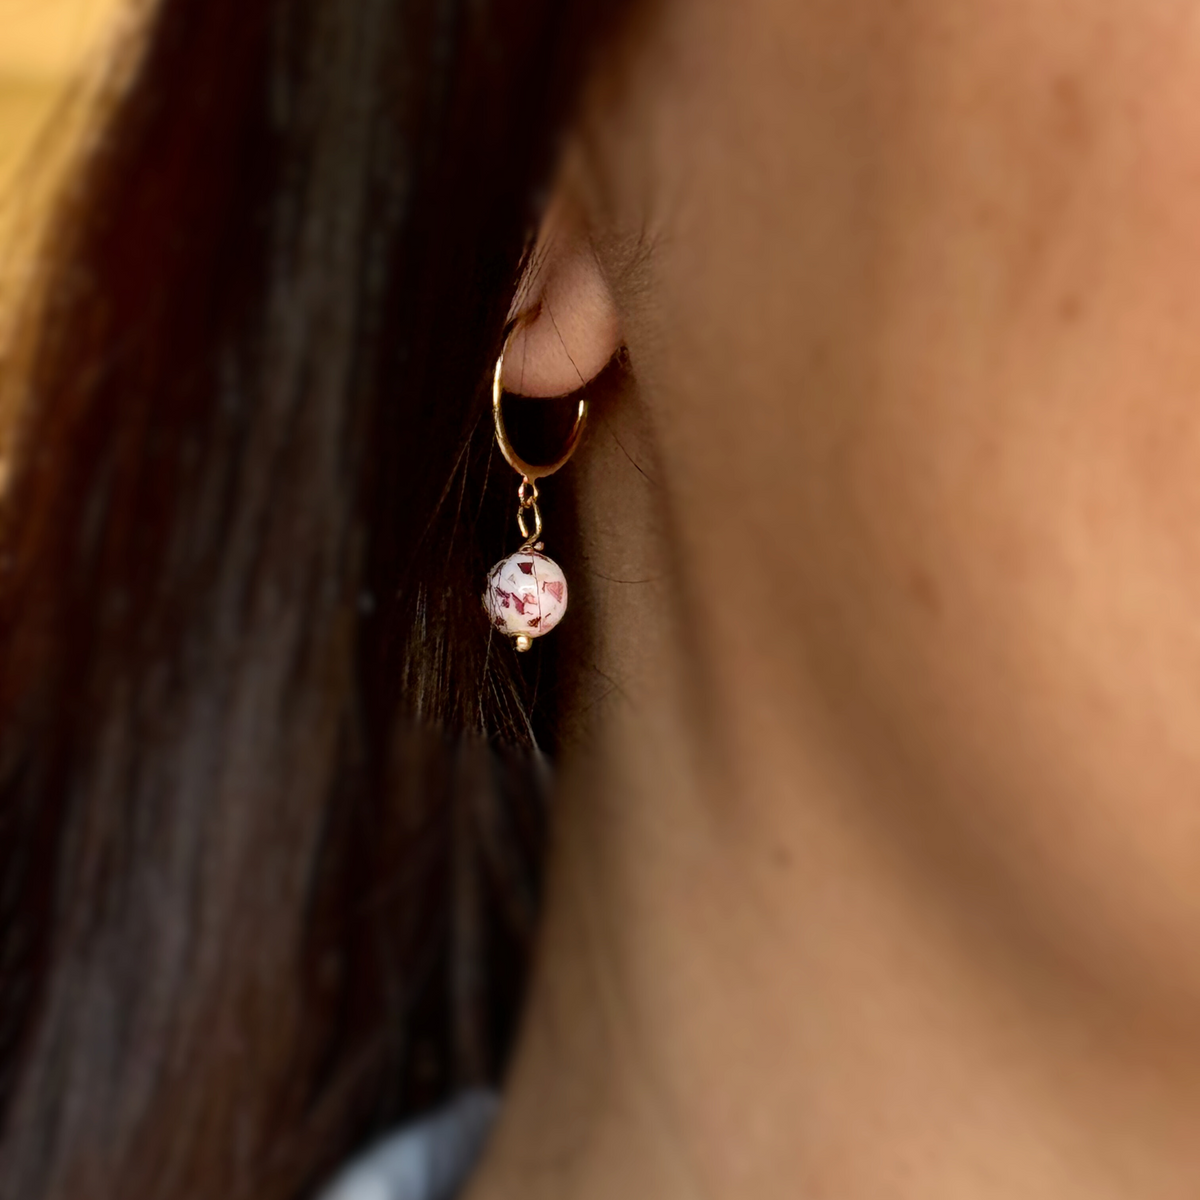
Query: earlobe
567	325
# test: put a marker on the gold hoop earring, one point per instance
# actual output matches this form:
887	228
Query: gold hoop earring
526	593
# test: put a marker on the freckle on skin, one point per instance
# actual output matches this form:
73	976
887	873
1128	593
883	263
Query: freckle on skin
1070	112
1070	308
925	591
818	356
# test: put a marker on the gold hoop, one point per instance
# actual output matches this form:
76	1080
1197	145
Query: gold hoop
528	470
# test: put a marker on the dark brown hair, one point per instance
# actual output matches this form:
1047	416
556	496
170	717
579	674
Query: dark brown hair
270	812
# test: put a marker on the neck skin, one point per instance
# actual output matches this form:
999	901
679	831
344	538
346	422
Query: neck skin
749	987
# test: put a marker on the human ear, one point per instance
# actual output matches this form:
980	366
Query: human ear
566	322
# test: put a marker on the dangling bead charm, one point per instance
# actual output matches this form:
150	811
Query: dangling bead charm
526	593
525	596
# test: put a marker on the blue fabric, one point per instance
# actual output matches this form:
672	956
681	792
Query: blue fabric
429	1160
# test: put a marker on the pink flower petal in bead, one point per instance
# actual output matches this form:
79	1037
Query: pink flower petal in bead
526	594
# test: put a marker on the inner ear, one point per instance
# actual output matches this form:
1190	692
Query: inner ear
567	326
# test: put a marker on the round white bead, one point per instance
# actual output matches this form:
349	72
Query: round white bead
526	594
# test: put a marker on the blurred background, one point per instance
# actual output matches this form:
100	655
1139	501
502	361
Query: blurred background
42	44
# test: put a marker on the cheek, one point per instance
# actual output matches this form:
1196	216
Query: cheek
960	323
1021	608
1009	637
